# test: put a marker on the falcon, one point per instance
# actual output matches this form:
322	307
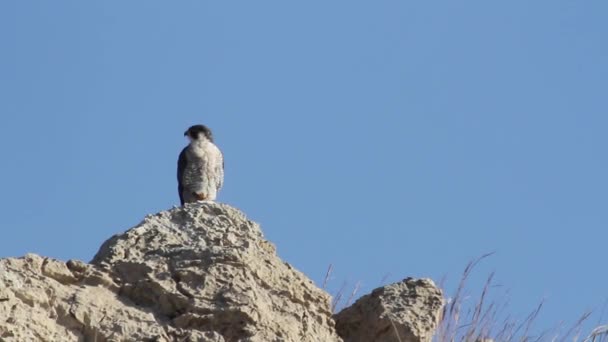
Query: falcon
200	167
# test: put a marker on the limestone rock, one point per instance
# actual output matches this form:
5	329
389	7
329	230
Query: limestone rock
200	273
43	300
207	268
407	311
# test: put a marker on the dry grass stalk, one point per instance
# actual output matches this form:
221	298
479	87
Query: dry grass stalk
338	297
327	275
448	329
481	319
395	330
599	334
353	294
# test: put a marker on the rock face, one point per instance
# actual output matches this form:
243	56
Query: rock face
47	300
199	273
407	311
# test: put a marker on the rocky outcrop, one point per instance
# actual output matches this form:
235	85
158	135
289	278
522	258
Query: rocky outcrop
407	311
199	273
47	300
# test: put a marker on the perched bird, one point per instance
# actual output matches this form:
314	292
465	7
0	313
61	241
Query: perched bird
200	167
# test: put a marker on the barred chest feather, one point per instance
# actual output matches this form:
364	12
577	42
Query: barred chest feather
204	172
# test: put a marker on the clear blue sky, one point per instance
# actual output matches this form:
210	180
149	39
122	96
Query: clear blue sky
388	138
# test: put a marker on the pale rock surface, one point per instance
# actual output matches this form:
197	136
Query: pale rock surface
407	311
202	273
43	300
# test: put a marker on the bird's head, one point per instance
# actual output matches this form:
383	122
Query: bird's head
199	133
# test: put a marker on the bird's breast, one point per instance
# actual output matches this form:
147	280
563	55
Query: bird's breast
203	163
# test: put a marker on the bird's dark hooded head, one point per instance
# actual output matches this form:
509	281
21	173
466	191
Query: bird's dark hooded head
198	132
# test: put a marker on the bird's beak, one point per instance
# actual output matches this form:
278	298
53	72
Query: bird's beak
185	133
